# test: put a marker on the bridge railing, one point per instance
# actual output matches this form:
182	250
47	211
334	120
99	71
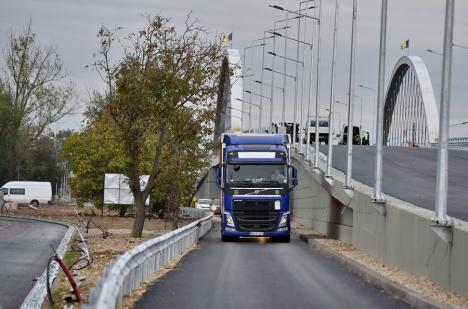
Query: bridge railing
137	265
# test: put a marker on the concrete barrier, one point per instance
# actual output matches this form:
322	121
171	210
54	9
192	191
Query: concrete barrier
399	233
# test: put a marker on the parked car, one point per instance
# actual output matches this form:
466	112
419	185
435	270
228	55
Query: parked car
215	206
28	192
203	203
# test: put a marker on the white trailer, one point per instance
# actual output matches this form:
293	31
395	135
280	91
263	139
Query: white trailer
27	192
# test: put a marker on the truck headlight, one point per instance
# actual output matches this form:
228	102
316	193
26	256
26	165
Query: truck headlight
229	220
284	219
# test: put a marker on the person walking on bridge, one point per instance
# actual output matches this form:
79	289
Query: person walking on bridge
365	139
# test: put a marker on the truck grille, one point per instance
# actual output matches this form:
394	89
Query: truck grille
255	215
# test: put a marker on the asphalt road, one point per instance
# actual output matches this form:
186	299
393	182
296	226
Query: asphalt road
410	174
24	251
252	274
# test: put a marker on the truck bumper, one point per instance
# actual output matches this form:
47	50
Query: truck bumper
256	234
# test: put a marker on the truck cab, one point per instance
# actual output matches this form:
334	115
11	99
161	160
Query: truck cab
256	178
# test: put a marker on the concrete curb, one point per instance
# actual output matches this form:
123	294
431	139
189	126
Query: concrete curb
38	293
394	289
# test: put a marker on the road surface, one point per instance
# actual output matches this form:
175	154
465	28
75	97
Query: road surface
410	174
24	251
252	274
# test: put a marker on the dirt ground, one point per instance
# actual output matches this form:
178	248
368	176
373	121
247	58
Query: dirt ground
106	238
420	284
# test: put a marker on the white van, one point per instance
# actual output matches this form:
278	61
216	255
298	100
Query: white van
28	192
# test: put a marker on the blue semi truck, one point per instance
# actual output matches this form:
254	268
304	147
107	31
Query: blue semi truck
255	178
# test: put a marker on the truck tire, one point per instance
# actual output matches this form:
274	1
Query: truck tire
226	238
284	239
35	203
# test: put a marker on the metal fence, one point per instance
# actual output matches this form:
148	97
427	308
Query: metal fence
137	265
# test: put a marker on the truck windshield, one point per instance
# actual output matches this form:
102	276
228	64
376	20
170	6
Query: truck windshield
255	174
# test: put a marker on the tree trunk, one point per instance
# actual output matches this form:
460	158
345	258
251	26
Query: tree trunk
175	200
122	210
13	151
139	221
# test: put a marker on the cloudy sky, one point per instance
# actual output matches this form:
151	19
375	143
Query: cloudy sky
72	26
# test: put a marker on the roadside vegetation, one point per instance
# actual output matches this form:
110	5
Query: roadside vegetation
34	93
154	117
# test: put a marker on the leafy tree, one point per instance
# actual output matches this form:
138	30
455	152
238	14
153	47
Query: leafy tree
90	154
163	87
34	81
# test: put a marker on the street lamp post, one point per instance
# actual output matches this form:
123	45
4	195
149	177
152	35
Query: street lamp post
433	52
271	101
258	95
297	72
440	213
293	12
298	13
250	96
332	94
261	86
317	88
374	123
349	165
250	107
309	105
378	196
458	124
280	73
460	46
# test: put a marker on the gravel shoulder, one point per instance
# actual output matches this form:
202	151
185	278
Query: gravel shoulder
419	284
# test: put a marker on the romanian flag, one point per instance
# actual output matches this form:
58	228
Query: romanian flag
405	44
227	37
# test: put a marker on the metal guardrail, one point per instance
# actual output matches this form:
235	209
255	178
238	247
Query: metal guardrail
458	143
137	265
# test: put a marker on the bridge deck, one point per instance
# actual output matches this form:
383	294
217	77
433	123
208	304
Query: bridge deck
410	174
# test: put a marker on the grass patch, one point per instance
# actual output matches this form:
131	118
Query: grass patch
70	257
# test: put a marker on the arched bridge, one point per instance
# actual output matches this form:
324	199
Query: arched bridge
410	112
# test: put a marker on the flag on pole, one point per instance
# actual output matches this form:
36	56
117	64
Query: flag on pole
227	37
405	44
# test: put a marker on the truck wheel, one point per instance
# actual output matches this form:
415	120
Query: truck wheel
35	203
284	239
226	238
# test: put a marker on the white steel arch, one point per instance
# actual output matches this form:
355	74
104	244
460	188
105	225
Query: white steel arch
411	115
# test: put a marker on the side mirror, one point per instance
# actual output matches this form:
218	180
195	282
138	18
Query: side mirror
219	176
294	176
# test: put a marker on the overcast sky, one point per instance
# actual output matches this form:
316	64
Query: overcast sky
72	26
